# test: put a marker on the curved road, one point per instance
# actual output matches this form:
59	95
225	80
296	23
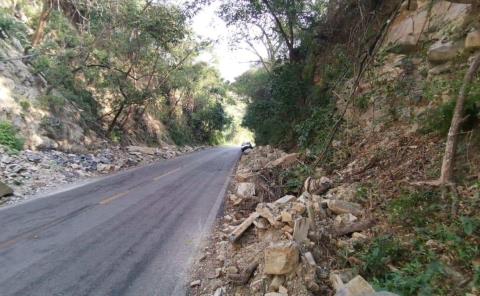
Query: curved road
130	233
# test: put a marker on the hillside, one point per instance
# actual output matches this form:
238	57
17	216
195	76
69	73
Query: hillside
365	100
81	80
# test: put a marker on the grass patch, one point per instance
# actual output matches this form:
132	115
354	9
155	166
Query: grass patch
431	253
9	138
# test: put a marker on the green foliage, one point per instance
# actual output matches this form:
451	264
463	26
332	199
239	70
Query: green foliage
275	105
116	136
414	208
9	138
136	57
180	133
455	235
415	278
293	178
419	260
362	102
313	131
418	274
438	119
285	107
13	27
52	102
382	251
25	105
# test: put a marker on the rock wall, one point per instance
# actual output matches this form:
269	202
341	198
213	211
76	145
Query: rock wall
20	94
427	41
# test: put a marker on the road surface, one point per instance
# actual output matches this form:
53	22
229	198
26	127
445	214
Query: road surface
131	233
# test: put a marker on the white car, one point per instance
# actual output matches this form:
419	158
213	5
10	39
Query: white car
245	146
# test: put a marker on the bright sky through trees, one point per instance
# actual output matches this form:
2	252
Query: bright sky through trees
231	60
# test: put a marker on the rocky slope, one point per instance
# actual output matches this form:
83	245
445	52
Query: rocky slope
361	211
271	245
29	173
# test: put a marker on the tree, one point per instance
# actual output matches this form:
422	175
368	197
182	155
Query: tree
269	19
47	6
448	163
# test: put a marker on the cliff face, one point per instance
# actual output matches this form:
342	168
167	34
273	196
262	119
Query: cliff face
21	104
424	55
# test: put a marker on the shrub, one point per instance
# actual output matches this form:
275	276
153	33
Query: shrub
52	102
180	133
12	27
9	138
25	105
415	208
382	251
438	120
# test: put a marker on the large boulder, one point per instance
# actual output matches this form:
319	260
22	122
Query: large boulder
5	190
441	52
403	36
246	189
281	258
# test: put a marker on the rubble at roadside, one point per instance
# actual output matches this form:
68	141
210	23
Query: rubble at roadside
26	173
273	245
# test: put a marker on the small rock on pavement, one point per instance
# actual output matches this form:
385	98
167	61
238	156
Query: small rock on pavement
274	294
5	190
281	258
195	283
246	189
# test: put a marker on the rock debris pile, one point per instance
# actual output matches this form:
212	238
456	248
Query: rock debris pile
285	245
26	173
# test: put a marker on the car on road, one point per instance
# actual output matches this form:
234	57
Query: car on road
246	146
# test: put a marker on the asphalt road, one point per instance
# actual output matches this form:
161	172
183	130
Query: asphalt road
131	233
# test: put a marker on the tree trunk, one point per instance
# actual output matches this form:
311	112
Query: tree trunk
42	23
115	118
448	163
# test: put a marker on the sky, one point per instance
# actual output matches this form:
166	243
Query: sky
230	62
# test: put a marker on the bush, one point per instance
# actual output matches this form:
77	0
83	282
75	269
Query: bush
415	208
383	250
180	134
52	102
12	27
438	120
276	103
9	138
25	105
